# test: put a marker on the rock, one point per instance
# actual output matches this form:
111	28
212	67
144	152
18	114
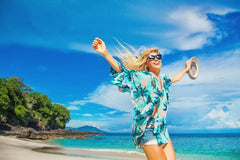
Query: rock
4	126
30	133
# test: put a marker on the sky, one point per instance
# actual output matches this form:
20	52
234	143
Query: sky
48	44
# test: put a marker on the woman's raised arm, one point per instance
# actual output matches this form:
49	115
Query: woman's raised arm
100	47
177	77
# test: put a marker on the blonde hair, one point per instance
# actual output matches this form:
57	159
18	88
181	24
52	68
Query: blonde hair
135	60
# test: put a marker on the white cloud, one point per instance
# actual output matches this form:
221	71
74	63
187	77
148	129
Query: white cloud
79	102
184	27
111	112
164	51
221	11
190	19
223	116
109	96
87	115
192	28
81	47
72	107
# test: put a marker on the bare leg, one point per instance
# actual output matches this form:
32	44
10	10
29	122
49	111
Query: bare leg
154	152
169	151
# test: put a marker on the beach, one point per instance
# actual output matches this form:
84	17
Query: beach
12	148
119	147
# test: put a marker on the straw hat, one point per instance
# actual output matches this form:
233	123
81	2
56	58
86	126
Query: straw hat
193	71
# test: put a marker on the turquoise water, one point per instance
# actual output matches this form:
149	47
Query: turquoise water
210	146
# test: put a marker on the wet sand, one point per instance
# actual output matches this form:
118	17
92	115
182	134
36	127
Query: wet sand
12	148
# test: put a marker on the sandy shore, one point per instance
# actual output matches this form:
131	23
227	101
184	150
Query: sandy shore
12	148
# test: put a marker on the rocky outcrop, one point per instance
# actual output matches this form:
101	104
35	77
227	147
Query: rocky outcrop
30	133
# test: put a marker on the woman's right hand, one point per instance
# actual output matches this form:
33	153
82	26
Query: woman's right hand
99	46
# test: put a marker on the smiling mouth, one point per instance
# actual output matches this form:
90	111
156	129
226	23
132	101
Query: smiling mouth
157	63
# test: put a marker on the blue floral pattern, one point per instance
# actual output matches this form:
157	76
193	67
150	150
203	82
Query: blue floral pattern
146	93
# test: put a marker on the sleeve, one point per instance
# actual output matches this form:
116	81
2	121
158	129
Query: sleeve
124	80
167	81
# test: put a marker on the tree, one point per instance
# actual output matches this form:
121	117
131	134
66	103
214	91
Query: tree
4	101
22	115
60	116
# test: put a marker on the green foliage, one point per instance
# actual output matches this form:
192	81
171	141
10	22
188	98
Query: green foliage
22	114
15	91
40	101
4	101
60	116
20	106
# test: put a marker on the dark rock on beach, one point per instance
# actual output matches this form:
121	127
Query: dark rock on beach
30	133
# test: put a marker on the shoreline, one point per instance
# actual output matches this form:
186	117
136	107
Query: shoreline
12	148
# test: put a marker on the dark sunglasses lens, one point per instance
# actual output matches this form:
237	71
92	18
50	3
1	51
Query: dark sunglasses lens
159	56
151	57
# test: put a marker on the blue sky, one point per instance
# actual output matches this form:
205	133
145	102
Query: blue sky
48	44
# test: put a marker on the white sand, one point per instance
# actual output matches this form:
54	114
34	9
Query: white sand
12	148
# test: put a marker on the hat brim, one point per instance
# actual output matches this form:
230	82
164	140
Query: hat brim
193	71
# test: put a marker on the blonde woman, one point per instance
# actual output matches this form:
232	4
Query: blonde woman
149	90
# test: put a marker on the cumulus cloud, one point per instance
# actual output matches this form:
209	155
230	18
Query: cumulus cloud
192	28
222	116
191	19
109	96
185	27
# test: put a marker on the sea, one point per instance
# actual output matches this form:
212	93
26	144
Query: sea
188	146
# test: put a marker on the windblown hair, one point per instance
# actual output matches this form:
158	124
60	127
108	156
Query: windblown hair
134	60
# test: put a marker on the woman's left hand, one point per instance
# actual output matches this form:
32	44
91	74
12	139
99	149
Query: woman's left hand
187	65
177	77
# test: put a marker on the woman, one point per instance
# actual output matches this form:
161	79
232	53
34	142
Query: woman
140	76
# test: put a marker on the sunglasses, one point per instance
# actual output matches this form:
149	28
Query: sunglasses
152	57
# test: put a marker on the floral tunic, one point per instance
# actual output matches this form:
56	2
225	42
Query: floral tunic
146	93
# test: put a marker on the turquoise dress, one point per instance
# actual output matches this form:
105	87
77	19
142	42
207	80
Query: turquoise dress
146	93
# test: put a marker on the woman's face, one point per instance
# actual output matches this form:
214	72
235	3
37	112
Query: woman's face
154	64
